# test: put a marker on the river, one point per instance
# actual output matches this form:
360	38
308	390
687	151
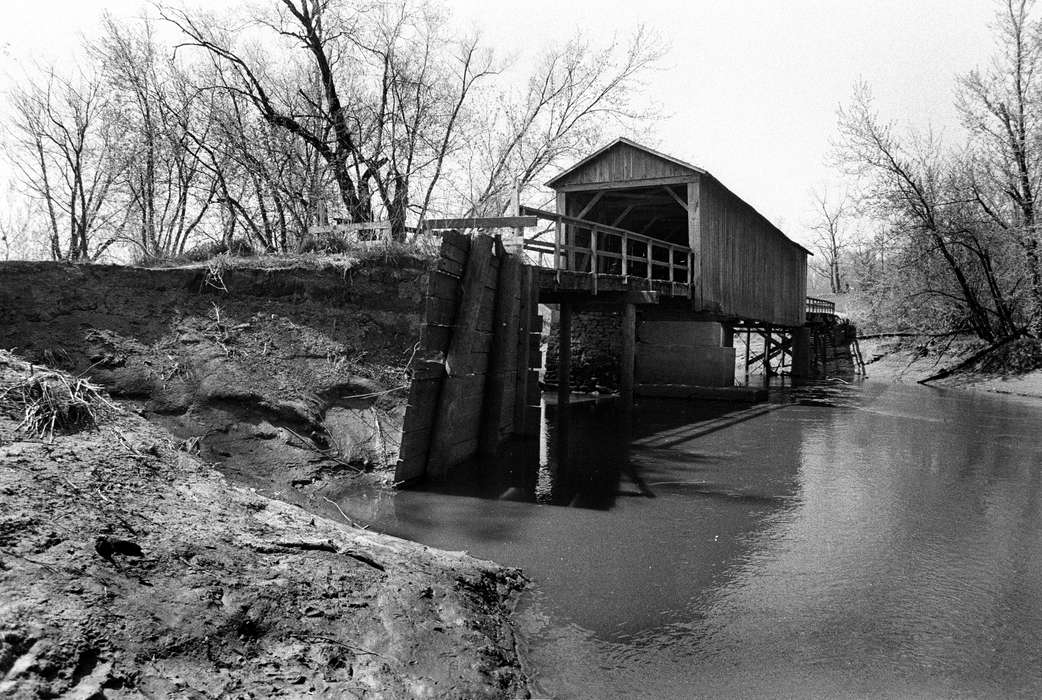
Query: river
878	540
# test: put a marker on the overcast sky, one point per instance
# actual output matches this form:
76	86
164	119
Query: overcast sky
750	87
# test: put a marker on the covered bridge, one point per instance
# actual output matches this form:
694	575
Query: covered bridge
631	218
744	268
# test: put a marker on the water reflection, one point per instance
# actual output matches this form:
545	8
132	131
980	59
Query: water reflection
842	541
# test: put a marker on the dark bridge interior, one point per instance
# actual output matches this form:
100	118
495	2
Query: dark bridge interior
657	211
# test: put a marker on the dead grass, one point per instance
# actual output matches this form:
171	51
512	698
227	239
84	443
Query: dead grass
50	401
351	254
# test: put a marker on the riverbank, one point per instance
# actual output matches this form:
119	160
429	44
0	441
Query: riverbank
1015	369
131	568
242	394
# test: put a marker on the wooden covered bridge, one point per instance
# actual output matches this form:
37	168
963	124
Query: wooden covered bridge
678	262
687	263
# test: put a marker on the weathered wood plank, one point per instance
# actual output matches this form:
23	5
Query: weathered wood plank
482	222
527	312
460	385
501	380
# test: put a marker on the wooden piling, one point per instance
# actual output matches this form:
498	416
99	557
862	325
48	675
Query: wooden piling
458	420
564	353
629	347
501	380
767	351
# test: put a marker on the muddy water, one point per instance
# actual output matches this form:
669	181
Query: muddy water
879	540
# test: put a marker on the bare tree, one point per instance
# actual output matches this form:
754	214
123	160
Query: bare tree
64	145
830	237
390	86
920	188
163	183
577	94
1001	105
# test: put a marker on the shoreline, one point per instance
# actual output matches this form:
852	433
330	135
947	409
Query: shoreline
131	568
886	360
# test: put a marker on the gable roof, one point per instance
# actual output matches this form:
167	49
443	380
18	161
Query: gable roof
672	162
694	169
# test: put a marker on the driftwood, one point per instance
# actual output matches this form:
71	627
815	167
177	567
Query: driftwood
948	371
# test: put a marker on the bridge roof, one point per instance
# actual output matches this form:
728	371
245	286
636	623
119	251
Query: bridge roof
632	161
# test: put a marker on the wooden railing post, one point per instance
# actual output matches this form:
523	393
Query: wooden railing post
625	255
557	245
593	257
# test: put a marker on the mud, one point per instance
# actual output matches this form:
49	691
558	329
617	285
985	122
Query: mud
236	595
245	394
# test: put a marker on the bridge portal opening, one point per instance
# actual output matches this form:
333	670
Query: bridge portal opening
660	212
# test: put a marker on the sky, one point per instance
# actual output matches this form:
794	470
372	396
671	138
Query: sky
749	88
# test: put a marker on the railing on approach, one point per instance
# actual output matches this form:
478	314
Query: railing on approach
820	306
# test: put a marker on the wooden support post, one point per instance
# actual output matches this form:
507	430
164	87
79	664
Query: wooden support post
527	310
748	346
558	259
564	354
629	351
593	258
801	352
767	351
515	245
727	335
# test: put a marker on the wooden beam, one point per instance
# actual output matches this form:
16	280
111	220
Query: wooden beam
623	215
627	184
648	225
586	223
677	198
343	224
586	210
748	343
694	240
482	222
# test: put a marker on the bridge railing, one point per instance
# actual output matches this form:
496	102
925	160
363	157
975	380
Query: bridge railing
600	249
820	306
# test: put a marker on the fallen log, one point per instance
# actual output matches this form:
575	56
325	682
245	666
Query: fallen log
948	371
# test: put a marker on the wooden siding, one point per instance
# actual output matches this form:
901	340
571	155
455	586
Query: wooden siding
623	163
749	269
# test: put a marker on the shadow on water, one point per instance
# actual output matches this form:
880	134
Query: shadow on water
583	455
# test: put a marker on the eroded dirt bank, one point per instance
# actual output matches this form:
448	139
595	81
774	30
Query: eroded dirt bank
234	594
284	376
233	384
